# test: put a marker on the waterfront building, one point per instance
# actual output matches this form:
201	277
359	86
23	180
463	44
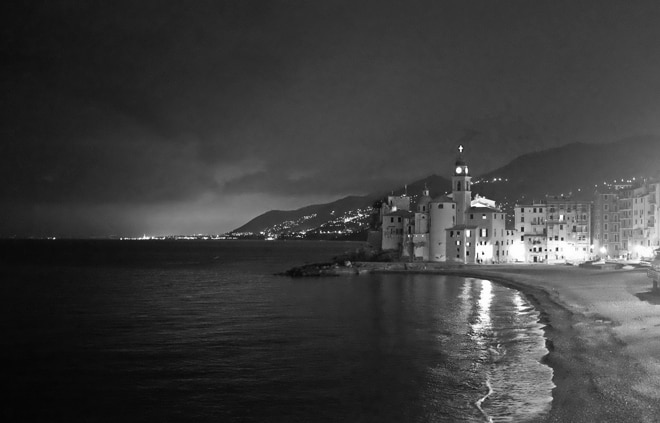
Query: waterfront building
625	221
450	227
555	230
530	221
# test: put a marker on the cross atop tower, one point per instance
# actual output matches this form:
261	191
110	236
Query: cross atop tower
460	148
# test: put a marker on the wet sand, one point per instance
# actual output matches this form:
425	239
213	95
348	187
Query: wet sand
604	341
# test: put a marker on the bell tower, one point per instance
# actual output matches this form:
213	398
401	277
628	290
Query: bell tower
461	190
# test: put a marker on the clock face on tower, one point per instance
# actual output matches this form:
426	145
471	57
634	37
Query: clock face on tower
459	169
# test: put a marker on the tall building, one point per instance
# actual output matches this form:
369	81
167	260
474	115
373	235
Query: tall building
530	221
625	221
555	230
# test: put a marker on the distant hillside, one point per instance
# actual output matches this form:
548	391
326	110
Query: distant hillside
337	219
574	169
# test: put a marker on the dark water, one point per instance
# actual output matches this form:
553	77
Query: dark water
202	331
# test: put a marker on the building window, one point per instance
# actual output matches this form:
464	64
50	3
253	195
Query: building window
522	229
484	232
522	219
540	210
468	233
399	220
391	220
483	216
441	206
471	216
522	210
458	242
453	206
451	234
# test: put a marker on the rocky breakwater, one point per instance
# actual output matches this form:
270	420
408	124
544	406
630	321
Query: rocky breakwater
321	269
359	268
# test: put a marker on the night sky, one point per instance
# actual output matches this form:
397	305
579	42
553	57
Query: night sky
172	117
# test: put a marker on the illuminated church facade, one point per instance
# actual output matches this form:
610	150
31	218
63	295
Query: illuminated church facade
448	228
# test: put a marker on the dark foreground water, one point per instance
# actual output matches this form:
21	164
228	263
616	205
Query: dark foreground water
202	331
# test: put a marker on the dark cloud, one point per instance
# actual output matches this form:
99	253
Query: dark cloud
129	105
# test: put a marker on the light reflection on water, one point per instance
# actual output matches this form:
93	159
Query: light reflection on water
231	342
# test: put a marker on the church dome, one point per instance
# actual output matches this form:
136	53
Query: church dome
442	199
422	204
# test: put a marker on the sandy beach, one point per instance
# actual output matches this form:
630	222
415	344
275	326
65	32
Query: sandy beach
604	340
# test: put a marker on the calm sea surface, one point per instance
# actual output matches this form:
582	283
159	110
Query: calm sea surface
110	331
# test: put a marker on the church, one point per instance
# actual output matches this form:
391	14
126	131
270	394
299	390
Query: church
448	228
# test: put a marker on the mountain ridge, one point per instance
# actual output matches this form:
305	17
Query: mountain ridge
575	169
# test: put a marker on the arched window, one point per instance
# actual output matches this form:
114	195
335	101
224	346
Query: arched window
458	185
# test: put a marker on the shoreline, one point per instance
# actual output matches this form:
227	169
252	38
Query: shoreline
603	341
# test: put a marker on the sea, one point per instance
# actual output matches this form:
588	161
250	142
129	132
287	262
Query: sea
205	331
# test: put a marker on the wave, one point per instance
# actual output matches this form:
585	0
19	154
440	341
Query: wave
481	400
